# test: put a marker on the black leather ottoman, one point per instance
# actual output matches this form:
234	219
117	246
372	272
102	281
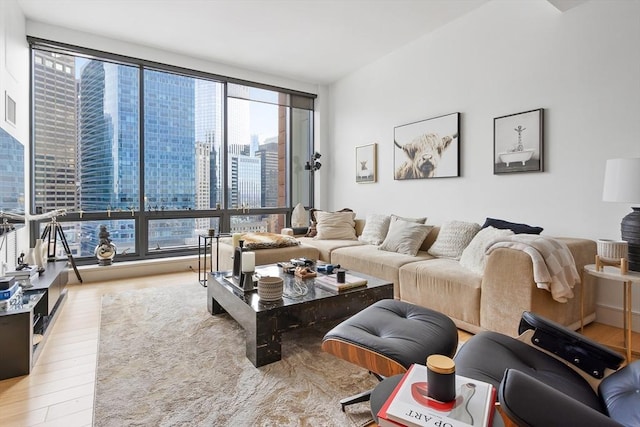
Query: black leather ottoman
388	337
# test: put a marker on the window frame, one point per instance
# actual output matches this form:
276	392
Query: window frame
141	216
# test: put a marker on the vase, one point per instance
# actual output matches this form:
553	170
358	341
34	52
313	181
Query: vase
40	254
29	258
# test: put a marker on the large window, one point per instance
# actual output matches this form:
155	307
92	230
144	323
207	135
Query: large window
159	154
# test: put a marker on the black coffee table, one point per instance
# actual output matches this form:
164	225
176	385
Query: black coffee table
264	323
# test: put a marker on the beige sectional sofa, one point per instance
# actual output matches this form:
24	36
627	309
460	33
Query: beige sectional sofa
493	300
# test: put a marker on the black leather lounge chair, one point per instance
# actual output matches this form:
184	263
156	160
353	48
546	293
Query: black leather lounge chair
548	376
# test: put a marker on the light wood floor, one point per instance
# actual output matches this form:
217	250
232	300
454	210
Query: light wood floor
59	391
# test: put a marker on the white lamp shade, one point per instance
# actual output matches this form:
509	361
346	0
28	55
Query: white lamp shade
622	181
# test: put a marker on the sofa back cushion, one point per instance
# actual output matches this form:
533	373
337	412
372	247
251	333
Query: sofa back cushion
335	226
517	228
431	238
313	221
453	238
405	237
375	229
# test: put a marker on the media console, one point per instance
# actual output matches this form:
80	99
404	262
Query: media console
24	329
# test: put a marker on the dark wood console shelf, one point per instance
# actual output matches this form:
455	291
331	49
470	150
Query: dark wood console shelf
41	305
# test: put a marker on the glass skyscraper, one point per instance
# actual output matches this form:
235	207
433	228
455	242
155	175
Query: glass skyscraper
109	141
12	175
169	154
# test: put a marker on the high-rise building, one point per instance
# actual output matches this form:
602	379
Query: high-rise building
56	133
169	154
208	125
12	175
246	183
109	144
268	154
109	141
108	148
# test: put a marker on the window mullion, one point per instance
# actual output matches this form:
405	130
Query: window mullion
142	235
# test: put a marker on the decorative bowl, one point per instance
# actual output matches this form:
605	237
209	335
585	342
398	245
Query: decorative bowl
612	250
270	288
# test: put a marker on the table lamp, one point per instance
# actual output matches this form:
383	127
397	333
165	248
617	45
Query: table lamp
622	184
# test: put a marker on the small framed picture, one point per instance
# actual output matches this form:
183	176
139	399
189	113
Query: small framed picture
518	142
427	149
366	163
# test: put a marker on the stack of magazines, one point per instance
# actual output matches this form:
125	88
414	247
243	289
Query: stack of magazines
410	405
10	294
330	281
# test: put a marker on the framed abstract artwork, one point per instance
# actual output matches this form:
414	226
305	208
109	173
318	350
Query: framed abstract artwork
427	149
366	163
518	142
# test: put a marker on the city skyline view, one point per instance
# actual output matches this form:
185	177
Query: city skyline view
88	146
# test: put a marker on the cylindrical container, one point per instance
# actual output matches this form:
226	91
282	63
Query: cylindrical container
341	276
441	378
270	288
611	250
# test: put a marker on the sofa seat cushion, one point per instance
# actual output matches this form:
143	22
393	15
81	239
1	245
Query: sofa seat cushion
370	260
326	247
441	284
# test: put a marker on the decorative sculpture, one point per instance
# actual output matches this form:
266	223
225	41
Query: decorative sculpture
106	250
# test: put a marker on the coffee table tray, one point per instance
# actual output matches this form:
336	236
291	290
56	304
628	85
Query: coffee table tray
237	286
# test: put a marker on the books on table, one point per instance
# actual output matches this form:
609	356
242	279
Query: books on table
409	405
330	281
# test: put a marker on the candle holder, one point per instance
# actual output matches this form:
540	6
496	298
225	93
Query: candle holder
248	267
247	281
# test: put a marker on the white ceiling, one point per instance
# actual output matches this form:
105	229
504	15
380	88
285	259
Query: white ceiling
313	41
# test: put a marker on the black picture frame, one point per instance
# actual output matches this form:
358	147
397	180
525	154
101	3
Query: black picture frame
427	149
518	142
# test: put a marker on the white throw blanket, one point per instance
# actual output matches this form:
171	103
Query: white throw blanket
554	268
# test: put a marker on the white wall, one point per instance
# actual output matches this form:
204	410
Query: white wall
582	66
77	38
14	68
14	81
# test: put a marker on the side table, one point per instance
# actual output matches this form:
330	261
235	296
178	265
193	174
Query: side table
205	251
628	279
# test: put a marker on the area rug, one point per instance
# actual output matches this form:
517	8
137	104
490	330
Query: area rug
163	360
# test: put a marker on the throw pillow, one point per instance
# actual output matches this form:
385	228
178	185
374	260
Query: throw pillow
474	256
335	226
263	240
375	229
453	238
416	220
311	232
513	226
405	237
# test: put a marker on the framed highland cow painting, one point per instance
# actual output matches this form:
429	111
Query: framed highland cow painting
518	142
427	149
366	163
